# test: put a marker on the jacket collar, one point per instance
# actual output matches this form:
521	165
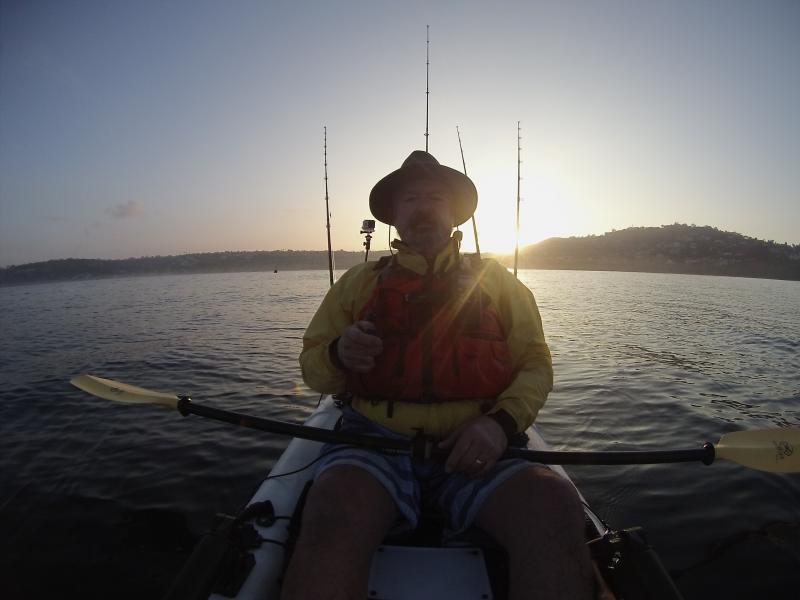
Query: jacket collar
414	261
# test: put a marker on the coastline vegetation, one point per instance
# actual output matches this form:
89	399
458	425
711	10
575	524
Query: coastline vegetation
677	248
673	248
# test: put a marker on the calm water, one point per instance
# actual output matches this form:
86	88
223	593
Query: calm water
107	499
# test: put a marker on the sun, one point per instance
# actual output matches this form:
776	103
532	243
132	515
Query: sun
544	212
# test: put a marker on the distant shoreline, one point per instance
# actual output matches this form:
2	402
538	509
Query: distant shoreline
676	249
342	270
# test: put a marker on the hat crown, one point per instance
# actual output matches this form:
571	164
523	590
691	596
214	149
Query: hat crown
420	158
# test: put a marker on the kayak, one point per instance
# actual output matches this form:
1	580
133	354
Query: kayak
244	557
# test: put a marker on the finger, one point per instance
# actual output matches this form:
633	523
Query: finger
451	439
478	457
357	346
486	458
365	341
482	469
472	463
477	465
355	353
491	454
366	326
459	458
362	350
366	364
462	441
359	364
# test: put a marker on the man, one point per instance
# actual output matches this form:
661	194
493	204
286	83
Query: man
430	340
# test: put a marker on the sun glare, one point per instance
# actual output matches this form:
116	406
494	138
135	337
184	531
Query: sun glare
544	212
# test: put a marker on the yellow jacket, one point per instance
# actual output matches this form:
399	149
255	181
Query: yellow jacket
520	319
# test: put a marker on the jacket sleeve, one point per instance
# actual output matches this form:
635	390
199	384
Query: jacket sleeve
528	392
333	316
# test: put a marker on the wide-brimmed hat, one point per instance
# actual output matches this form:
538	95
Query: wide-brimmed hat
421	165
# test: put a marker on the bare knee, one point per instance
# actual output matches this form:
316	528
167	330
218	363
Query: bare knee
533	500
556	494
537	517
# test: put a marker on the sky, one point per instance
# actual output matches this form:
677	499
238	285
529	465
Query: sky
155	128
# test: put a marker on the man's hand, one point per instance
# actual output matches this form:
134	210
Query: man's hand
476	446
358	346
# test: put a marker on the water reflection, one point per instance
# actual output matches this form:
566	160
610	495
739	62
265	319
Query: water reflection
642	362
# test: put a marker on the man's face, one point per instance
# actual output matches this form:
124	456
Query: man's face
422	215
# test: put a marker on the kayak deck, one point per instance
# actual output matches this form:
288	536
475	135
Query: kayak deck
463	567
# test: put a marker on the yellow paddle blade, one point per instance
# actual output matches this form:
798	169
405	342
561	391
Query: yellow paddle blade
771	450
122	392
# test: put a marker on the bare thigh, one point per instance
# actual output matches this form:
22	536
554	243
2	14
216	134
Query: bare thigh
346	516
536	515
347	508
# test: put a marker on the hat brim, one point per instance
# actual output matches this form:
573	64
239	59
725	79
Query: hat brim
465	196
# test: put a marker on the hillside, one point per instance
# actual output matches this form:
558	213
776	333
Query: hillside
667	249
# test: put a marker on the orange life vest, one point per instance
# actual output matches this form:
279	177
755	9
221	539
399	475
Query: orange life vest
442	338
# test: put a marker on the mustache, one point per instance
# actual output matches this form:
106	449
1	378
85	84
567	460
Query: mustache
421	217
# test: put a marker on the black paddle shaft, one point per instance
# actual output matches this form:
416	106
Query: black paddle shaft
186	407
424	447
618	457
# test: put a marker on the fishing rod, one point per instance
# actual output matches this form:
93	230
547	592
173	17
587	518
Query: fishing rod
327	208
770	450
427	77
474	224
460	146
519	163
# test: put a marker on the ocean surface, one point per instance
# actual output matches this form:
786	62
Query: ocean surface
100	500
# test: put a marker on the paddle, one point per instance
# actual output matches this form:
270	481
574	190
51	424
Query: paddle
771	450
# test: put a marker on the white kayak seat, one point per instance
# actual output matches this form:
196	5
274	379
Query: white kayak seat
413	573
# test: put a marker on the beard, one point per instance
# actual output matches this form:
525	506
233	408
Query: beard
425	233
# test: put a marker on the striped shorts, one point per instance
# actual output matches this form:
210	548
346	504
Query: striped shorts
417	485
